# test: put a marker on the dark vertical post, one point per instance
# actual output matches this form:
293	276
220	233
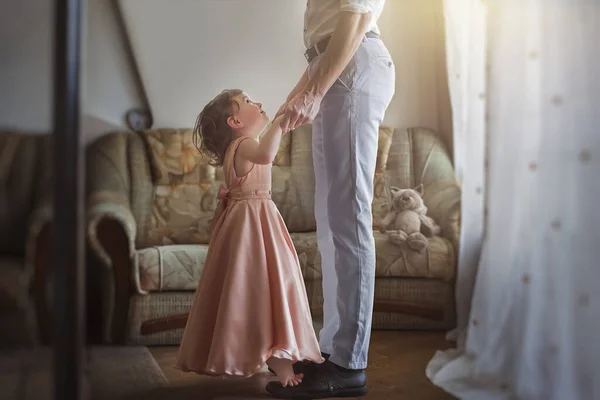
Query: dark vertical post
69	263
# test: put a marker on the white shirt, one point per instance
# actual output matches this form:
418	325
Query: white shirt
321	16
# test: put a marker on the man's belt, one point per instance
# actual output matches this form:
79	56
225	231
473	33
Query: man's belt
320	47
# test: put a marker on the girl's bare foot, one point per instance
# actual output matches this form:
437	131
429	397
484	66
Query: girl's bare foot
284	371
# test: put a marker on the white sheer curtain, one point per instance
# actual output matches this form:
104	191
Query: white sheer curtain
466	58
527	127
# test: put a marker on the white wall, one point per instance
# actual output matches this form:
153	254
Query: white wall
186	56
111	88
26	46
413	31
25	65
189	50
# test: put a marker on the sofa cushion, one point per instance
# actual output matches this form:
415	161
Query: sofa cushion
308	254
173	156
285	151
178	267
438	262
185	189
163	268
301	184
181	214
180	202
286	197
417	155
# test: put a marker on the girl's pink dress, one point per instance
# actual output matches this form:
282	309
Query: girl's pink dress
251	300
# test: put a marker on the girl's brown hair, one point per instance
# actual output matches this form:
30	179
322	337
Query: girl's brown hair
212	135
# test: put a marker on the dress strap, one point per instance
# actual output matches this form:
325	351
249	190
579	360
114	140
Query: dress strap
232	178
231	181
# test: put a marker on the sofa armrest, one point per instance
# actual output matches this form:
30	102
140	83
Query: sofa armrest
108	188
109	206
442	199
117	286
111	226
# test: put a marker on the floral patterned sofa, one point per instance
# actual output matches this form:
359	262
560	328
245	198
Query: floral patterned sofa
151	196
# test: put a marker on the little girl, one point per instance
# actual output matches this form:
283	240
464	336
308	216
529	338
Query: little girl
250	305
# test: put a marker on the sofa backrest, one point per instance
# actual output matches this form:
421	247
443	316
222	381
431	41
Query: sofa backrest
173	189
419	156
176	194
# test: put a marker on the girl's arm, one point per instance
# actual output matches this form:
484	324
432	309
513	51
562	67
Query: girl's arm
262	152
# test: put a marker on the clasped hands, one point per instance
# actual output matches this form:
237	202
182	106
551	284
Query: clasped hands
299	110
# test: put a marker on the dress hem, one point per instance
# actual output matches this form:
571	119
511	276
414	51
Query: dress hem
214	372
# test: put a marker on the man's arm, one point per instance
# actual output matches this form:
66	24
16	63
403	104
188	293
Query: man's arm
299	86
297	89
344	42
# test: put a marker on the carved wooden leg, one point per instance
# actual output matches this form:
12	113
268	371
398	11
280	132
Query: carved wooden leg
114	241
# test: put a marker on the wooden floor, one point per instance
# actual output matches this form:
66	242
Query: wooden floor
396	370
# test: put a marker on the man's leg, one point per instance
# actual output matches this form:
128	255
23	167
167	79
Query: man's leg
324	240
352	114
348	125
350	167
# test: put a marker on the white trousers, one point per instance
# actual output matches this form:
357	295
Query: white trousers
345	137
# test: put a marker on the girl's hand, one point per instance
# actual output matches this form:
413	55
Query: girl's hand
277	122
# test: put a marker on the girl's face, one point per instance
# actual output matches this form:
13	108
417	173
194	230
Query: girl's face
248	117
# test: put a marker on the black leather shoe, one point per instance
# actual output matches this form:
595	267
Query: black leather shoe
301	367
324	381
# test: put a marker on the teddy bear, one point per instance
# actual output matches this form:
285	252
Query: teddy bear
406	221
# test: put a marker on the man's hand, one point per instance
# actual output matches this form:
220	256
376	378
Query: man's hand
281	110
344	42
279	117
301	110
304	101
